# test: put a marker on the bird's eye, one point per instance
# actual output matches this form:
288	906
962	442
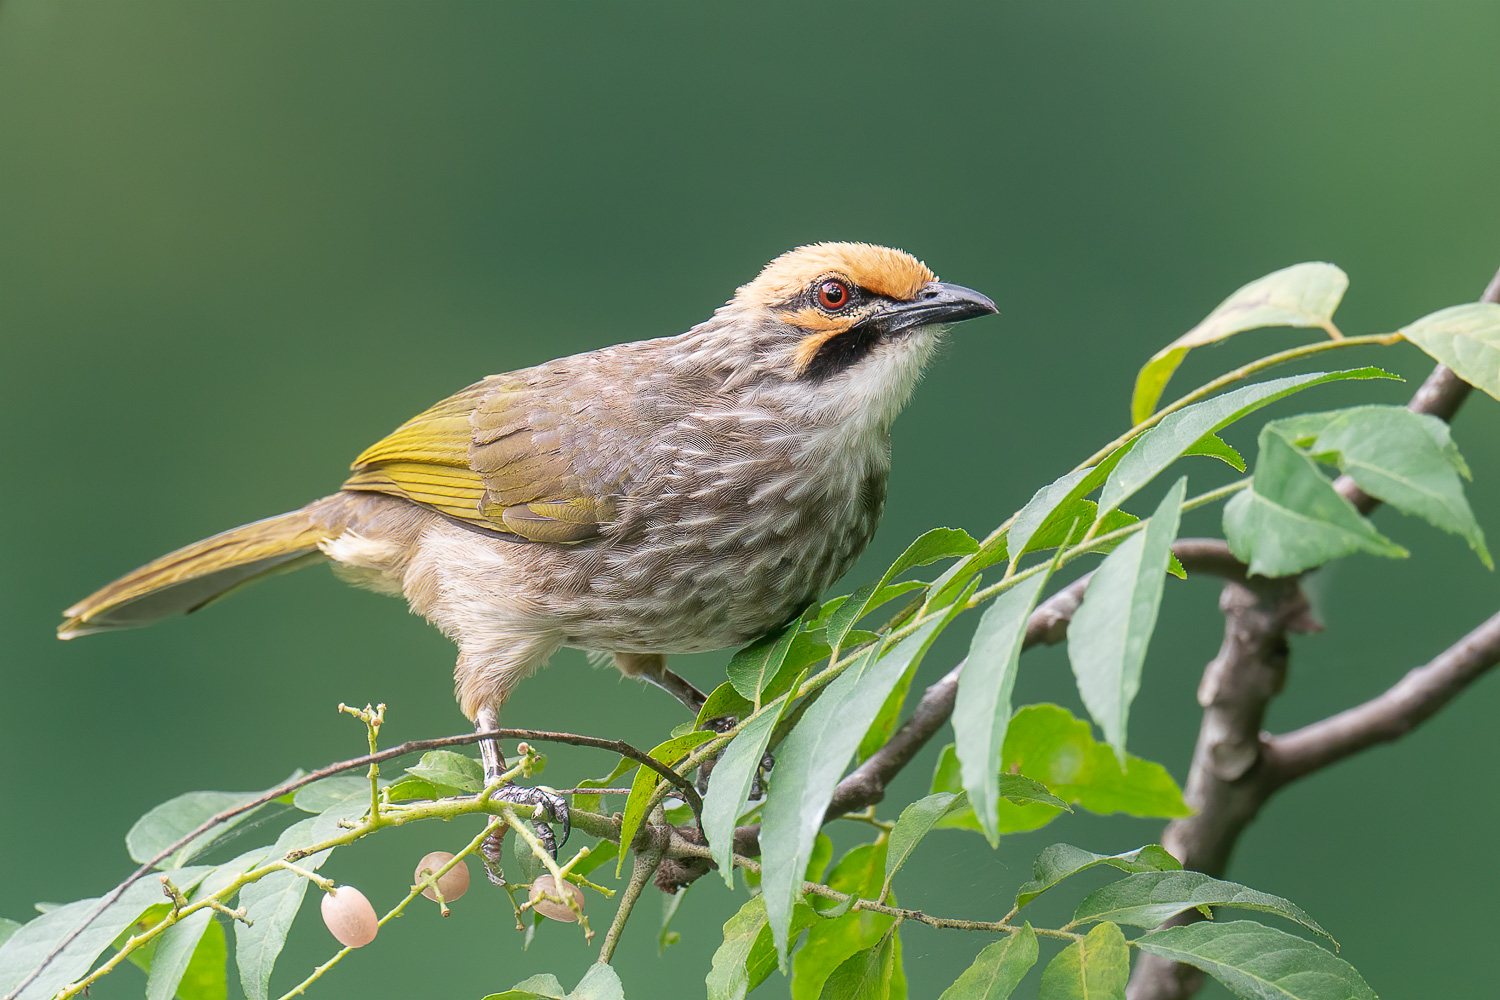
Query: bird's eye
833	294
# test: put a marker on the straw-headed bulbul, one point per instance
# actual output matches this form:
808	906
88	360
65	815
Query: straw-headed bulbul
666	496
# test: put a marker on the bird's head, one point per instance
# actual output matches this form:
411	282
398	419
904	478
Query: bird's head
843	325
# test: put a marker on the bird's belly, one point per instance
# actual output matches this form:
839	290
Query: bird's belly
699	584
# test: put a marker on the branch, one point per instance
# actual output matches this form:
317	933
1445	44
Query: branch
1391	715
1236	769
866	784
690	795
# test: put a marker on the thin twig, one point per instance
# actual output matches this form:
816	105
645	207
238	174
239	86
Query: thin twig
690	795
646	861
416	890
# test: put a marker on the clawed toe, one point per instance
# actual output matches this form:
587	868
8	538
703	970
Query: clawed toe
723	724
554	809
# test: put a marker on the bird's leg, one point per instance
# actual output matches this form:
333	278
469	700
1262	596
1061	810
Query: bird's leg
553	806
652	668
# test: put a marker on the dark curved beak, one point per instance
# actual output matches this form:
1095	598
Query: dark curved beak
937	302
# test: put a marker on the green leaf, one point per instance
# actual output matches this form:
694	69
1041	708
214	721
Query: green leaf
669	753
729	786
914	823
141	957
722	702
930	547
1067	526
762	960
601	982
272	902
1108	636
206	975
864	600
752	668
599	853
1014	817
1291	518
982	710
666	937
729	978
186	952
953	579
1213	446
1050	744
1466	338
1095	968
1407	459
865	975
450	773
319	795
26	948
811	761
175	818
7	928
887	718
1181	431
407	788
1259	962
1148	898
1077	519
1062	860
542	987
529	867
808	647
1047	743
1020	789
1052	508
997	970
822	854
1300	295
840	933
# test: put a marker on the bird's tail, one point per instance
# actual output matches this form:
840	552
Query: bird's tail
186	580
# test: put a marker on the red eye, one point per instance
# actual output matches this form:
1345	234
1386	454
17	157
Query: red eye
833	294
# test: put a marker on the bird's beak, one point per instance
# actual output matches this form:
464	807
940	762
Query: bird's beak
937	302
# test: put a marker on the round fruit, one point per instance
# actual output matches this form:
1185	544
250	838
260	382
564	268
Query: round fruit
551	908
452	884
350	917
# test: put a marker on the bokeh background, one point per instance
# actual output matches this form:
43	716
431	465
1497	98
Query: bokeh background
242	241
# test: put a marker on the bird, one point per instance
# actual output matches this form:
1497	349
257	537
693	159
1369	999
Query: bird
675	495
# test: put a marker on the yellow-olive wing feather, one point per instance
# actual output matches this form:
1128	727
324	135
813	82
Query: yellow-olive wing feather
488	456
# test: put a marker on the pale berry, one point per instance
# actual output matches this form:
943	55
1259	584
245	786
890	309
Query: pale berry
452	884
550	908
349	916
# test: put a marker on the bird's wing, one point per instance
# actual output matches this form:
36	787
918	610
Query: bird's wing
490	456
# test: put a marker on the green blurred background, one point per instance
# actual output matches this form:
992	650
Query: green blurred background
240	242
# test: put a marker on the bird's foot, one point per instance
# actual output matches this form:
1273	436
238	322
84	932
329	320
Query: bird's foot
491	851
552	808
723	724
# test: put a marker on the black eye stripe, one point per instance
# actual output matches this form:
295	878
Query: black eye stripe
837	353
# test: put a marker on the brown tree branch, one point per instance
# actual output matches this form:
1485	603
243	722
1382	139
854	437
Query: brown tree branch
1235	768
1390	715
